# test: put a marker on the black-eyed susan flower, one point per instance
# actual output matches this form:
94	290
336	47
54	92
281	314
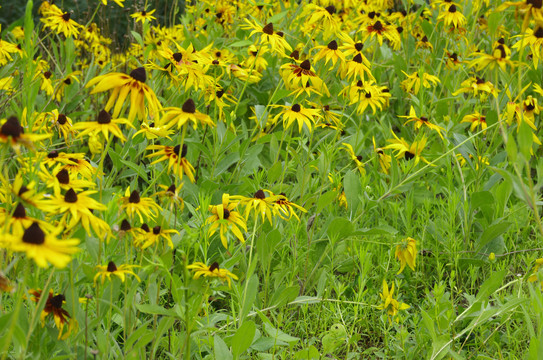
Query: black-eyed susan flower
121	85
171	194
532	10
532	38
406	150
13	133
389	304
118	2
273	39
381	31
452	17
53	305
259	203
357	159
106	271
302	75
384	158
213	270
413	82
224	217
418	122
78	165
477	86
143	16
323	17
367	94
335	181
406	253
500	56
17	220
154	131
476	120
356	69
157	233
78	208
176	156
452	61
329	52
284	208
132	203
533	277
255	59
60	178
6	49
60	22
23	191
297	113
44	247
103	124
180	116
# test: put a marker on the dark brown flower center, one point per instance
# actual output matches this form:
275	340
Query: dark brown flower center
156	230
125	225
134	197
260	195
12	128
480	81
63	177
295	55
358	58
57	300
34	235
332	45
66	16
53	154
20	212
358	46
139	74
62	119
177	57
189	106
214	266
331	9
296	108
70	196
111	267
103	117
68	81
399	29
47	74
171	189
268	29
145	228
22	190
454	57
306	65
226	213
176	149
378	26
530	107
535	3
452	8
219	93
368	95
408	155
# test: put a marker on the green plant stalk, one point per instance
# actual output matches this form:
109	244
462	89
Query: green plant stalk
249	270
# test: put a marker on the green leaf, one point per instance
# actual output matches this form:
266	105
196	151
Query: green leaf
275	18
279	335
226	162
511	148
491	233
481	198
137	168
490	285
220	350
525	139
243	338
155	310
138	39
351	183
339	228
494	20
250	297
285	295
325	200
241	43
310	353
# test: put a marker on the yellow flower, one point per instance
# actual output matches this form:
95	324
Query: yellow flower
118	2
477	86
408	151
391	305
413	82
419	122
53	305
213	270
104	124
356	158
367	93
406	253
534	39
176	159
122	85
176	116
259	203
329	52
452	17
132	203
299	114
44	248
268	36
500	56
284	208
476	120
153	236
13	133
60	22
144	16
223	218
106	271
